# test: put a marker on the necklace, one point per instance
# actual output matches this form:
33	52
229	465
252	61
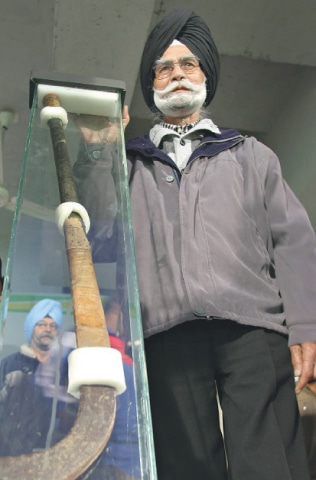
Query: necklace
180	128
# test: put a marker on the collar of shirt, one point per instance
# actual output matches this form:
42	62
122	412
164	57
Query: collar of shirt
158	132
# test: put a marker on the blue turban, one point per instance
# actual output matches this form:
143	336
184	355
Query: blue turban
43	308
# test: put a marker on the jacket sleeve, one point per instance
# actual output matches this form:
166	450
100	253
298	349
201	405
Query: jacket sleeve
294	246
94	174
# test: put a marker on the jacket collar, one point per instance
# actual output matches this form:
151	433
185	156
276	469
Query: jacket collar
210	145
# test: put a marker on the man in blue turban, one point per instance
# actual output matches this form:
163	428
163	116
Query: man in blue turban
41	326
27	379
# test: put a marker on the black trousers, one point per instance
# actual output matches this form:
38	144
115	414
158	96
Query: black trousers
251	369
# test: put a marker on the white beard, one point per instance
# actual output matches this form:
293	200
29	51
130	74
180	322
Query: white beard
175	104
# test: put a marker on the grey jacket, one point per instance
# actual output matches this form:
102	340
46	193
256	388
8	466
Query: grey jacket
226	238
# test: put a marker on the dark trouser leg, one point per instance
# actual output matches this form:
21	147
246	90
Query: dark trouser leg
187	437
261	420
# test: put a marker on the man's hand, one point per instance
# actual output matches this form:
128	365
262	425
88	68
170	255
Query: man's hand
125	116
12	379
304	361
95	129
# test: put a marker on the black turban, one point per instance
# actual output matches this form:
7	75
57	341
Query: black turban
191	30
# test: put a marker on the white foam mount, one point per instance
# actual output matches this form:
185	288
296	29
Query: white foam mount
47	113
63	211
95	366
82	101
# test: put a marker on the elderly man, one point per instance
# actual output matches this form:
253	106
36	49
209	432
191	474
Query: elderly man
226	262
28	380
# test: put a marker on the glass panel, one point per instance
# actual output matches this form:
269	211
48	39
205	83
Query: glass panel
36	411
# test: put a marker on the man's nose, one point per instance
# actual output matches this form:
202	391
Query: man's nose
177	72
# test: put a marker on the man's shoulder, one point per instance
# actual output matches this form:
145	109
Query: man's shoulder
227	133
16	361
142	147
12	357
213	143
140	142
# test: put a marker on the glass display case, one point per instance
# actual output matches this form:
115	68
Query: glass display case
70	285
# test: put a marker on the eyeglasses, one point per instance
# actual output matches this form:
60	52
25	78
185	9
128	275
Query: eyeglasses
51	326
164	68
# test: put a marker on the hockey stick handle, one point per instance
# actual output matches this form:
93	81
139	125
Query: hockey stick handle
88	309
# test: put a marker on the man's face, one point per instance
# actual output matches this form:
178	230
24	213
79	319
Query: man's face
179	92
44	333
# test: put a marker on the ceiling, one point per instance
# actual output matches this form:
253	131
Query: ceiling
266	47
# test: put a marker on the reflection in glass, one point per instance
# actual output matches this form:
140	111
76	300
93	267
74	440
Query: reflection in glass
41	411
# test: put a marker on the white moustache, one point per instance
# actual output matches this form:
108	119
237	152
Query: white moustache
175	85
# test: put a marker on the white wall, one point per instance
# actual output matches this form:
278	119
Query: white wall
293	137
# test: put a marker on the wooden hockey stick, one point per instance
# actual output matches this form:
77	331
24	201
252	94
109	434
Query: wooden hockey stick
74	454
